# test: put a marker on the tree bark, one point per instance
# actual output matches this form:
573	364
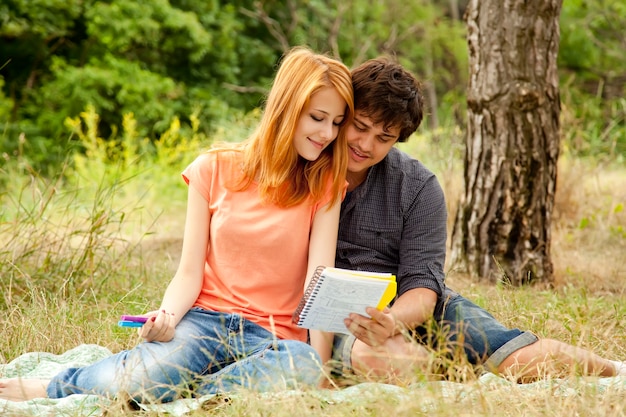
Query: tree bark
502	227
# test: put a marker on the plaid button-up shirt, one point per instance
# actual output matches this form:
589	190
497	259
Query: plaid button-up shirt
395	221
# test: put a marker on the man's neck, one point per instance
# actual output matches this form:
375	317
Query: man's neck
355	179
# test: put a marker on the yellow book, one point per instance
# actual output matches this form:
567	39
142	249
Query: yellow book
334	293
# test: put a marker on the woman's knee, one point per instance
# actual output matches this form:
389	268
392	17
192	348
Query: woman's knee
298	356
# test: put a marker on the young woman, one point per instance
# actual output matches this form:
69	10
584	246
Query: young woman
261	216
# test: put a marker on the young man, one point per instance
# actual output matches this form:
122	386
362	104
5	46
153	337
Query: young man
393	219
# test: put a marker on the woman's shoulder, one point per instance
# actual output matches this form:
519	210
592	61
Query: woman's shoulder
220	157
213	162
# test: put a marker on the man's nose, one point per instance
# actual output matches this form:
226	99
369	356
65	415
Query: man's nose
365	142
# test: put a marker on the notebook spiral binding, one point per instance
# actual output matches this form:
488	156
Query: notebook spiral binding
309	293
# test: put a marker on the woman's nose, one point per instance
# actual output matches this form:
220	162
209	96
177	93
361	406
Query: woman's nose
328	131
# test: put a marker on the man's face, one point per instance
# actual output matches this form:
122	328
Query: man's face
368	143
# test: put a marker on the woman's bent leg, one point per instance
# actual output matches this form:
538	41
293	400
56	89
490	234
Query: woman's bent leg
152	371
265	364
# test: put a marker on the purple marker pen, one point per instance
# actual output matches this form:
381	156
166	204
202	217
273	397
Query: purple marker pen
136	319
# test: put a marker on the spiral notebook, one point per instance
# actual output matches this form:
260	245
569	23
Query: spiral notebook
334	293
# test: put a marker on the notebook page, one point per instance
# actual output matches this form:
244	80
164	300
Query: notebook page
337	297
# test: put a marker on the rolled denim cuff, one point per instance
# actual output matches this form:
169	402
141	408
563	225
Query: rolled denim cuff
513	345
342	353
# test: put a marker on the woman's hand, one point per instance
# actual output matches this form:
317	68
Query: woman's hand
160	327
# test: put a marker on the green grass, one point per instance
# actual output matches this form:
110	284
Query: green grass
76	253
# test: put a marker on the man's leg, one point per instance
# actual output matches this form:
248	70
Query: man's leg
397	359
511	352
552	357
472	332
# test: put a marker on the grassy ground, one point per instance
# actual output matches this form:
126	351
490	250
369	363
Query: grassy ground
73	260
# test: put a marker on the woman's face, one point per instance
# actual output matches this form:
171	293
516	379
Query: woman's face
319	122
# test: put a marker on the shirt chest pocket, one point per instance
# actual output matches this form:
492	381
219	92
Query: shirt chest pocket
384	239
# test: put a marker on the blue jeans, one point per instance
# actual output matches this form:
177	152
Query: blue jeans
211	353
484	340
463	327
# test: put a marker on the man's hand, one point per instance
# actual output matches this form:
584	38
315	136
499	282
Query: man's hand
160	327
372	331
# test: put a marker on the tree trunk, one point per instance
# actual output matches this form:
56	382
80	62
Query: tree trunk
502	227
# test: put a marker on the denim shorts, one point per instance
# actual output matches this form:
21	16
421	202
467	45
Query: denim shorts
211	353
463	325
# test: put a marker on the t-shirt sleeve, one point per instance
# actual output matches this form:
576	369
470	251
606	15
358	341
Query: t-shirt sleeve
199	174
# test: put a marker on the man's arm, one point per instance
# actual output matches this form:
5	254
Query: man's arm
413	308
410	310
421	256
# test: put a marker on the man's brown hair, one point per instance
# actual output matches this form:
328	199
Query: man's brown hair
388	94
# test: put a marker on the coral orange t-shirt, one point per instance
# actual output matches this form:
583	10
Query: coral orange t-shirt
257	255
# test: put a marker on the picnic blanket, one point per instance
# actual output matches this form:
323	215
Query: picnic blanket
45	365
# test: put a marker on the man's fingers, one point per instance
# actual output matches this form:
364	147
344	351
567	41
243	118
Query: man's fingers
374	330
377	315
384	317
366	330
352	324
357	328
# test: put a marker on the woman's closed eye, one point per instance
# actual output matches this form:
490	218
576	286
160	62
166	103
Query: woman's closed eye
321	119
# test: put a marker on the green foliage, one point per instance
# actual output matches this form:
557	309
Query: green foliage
164	60
160	60
148	34
5	103
592	37
30	33
82	225
593	85
129	156
42	18
190	43
101	155
592	125
426	41
6	147
114	87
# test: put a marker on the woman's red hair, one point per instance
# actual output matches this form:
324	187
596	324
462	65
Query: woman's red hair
270	157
